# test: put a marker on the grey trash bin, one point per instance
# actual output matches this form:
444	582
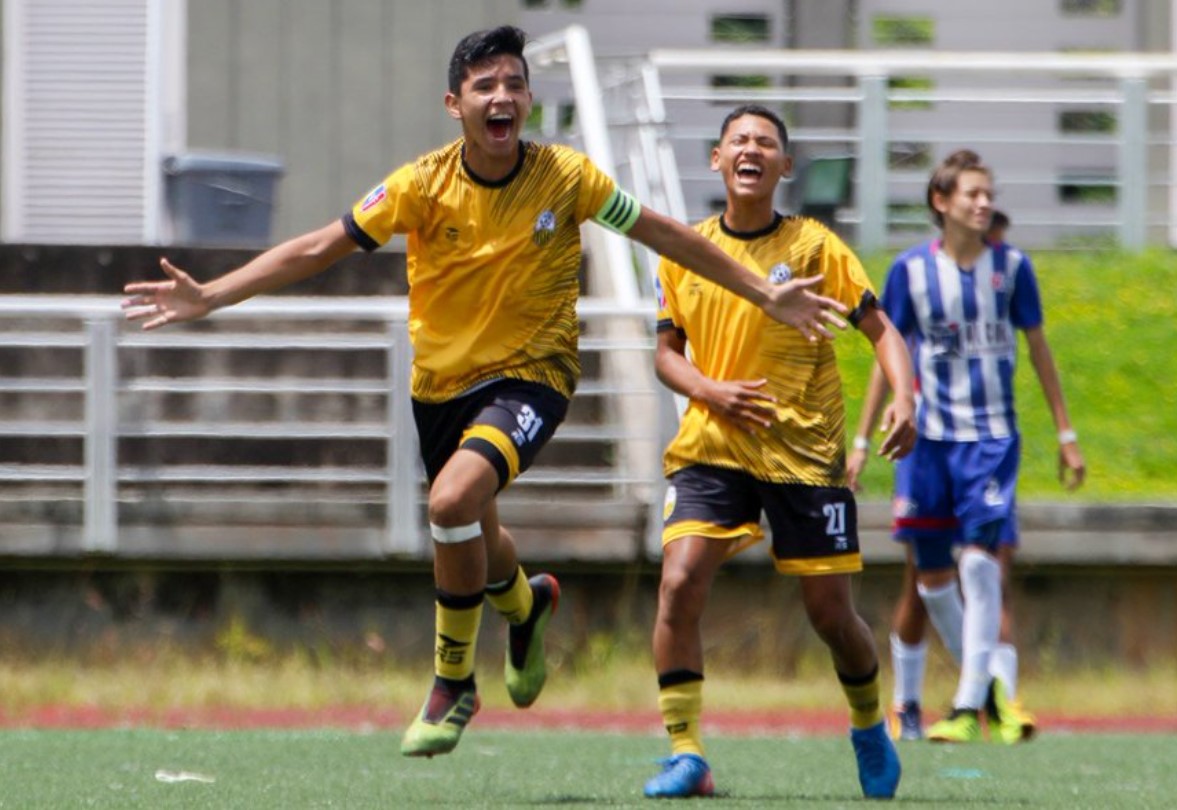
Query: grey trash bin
224	199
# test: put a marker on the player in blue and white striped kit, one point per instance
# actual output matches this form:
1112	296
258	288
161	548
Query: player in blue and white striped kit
960	300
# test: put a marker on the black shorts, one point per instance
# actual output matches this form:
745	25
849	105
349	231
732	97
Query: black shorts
506	422
814	529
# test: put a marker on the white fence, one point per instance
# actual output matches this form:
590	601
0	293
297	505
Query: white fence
281	427
1082	144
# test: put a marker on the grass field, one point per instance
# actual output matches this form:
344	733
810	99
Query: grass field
320	769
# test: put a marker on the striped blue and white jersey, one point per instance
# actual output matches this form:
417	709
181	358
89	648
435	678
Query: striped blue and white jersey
960	327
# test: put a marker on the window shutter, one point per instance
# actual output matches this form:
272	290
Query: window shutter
81	118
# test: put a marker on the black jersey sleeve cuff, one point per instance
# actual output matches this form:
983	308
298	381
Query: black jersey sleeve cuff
357	233
869	301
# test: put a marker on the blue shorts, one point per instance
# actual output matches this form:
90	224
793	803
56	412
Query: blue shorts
814	529
947	493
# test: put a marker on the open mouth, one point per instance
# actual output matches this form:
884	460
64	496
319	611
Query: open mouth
749	171
499	126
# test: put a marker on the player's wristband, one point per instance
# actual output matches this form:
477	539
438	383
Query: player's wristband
861	443
1067	436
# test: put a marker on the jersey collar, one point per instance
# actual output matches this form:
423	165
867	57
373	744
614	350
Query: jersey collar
748	236
495	183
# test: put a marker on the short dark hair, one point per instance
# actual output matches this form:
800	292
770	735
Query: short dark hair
476	48
999	219
946	175
763	112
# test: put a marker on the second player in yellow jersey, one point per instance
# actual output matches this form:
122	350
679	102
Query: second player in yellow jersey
731	340
763	437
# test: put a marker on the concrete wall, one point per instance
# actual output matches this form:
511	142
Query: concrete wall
343	91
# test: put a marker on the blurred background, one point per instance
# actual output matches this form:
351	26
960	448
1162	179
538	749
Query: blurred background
249	485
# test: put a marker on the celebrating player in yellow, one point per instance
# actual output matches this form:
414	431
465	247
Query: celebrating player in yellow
764	432
493	227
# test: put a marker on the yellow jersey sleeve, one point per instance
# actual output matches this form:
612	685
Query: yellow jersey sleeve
596	189
844	277
396	205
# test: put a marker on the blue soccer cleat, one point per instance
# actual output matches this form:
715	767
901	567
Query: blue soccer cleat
905	722
878	761
683	775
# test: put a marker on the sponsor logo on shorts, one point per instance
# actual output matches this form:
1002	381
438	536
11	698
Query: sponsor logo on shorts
669	503
903	507
992	494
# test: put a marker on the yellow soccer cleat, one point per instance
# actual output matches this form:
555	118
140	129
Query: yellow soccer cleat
526	671
443	718
962	726
1009	723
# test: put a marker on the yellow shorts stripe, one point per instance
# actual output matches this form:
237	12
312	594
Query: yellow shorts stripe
815	566
501	441
746	535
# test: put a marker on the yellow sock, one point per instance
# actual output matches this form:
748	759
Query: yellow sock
863	696
512	598
681	705
457	630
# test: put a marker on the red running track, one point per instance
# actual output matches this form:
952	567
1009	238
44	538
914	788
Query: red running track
363	718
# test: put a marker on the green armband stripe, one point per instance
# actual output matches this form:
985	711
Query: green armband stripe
619	212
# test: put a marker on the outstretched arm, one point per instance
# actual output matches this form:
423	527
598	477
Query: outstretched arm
791	303
181	298
1071	469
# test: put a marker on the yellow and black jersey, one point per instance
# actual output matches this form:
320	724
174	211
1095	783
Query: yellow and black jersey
493	267
732	339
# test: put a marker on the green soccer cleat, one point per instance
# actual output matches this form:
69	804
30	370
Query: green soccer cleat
443	718
525	669
961	726
1009	723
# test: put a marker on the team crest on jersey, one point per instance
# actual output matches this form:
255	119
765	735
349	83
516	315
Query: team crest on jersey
998	282
669	503
780	273
545	228
374	197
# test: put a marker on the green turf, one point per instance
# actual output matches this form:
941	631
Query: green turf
297	769
1109	322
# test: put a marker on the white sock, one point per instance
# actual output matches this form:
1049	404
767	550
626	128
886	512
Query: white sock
946	610
1003	665
907	662
980	579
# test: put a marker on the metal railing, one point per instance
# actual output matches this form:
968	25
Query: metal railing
663	111
277	410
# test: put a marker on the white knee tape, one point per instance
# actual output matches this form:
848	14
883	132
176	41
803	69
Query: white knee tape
455	534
